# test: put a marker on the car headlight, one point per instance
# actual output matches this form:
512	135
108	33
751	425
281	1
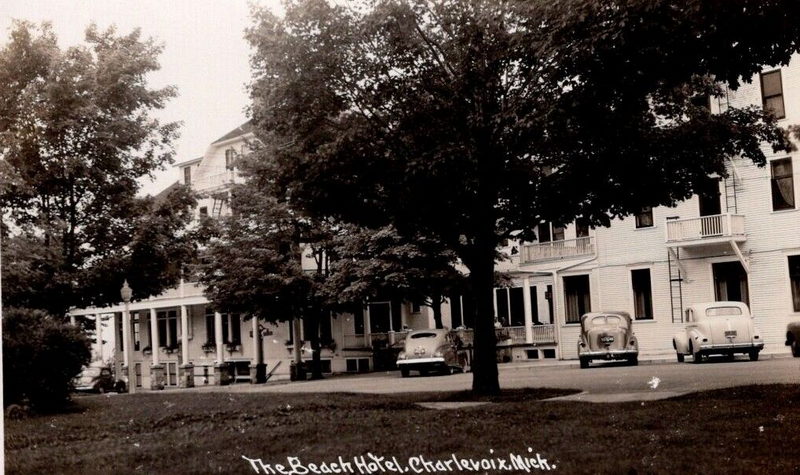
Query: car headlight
438	354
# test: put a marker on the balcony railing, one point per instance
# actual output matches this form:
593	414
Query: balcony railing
213	182
563	249
705	228
374	340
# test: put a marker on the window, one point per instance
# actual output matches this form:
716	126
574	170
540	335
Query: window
187	175
534	306
547	232
581	228
730	282
510	306
782	184
544	232
203	211
167	329
576	295
136	331
644	219
358	320
231	328
794	277
230	158
702	101
772	93
642	294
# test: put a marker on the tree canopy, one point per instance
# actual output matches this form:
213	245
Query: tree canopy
76	133
469	121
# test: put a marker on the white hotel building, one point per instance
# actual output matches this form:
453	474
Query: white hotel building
738	240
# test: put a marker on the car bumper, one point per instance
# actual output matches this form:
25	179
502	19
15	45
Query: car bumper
609	355
410	363
721	347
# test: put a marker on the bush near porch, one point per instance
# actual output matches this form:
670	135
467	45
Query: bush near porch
741	430
41	357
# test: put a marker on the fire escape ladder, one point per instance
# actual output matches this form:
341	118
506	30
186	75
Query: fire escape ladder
676	277
732	187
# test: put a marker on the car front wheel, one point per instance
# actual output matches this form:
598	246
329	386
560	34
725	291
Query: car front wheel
584	363
796	349
697	357
753	355
680	357
404	372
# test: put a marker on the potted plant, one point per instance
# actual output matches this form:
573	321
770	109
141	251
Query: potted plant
231	347
209	347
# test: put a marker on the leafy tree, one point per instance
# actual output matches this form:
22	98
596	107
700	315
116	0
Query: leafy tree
252	263
467	121
76	133
369	263
41	357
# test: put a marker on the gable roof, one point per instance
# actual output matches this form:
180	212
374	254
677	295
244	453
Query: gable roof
241	130
162	195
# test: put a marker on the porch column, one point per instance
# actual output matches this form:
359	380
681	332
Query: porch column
98	326
526	305
187	368
257	368
219	366
494	301
128	349
157	376
72	320
367	328
154	339
116	345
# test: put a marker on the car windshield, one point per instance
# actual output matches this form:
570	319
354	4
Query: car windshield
90	372
723	311
608	320
423	335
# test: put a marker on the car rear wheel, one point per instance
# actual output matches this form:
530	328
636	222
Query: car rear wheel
423	372
796	349
753	355
680	357
634	361
404	372
584	363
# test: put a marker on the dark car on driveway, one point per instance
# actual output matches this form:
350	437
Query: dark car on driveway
96	379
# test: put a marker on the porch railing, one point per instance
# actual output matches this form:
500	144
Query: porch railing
697	229
563	249
544	334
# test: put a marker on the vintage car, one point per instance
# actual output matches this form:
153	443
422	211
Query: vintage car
722	328
95	379
432	350
793	338
607	336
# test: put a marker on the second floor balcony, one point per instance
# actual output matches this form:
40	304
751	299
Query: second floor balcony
214	182
704	230
555	250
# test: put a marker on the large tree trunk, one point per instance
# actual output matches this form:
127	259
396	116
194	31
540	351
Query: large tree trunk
484	364
436	305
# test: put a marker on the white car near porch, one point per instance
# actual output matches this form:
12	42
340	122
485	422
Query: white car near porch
721	328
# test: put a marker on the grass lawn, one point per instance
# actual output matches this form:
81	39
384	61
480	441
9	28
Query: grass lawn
754	429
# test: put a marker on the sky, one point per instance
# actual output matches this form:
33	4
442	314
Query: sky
205	55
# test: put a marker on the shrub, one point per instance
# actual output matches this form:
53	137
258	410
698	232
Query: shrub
41	357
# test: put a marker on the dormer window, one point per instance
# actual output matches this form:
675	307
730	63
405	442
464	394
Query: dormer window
230	158
187	175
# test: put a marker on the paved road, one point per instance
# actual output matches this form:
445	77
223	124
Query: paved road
607	383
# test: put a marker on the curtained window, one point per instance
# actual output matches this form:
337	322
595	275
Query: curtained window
782	184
